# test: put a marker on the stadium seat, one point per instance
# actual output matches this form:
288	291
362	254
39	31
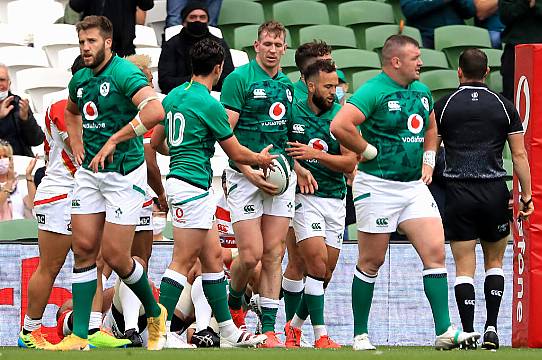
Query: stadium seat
239	57
433	60
20	164
53	97
37	82
452	39
338	37
21	57
493	58
375	36
287	63
154	53
22	229
235	13
34	14
12	35
494	81
440	82
296	14
55	37
244	39
174	30
145	37
156	18
66	57
360	15
397	12
359	78
354	60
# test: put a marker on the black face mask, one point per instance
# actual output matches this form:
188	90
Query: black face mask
197	28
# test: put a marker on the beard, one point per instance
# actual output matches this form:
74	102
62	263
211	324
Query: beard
321	102
98	59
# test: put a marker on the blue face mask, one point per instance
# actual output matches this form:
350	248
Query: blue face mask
339	92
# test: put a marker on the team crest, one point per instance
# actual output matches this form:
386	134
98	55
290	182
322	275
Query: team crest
104	89
425	103
289	95
415	123
318	144
277	111
90	110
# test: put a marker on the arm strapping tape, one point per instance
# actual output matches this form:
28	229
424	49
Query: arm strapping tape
138	126
429	157
143	103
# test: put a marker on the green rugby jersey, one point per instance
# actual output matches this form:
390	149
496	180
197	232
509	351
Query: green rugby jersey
309	128
264	105
194	122
300	91
105	103
396	120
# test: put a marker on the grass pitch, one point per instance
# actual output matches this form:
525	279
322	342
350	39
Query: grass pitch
346	353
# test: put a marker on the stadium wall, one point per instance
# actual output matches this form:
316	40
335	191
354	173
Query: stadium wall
400	312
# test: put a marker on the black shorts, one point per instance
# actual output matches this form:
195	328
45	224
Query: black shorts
476	210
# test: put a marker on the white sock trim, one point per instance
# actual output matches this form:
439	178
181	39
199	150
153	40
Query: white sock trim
297	322
269	303
435	271
175	276
212	276
135	275
293	286
463	280
95	320
495	271
371	279
85	276
314	287
31	324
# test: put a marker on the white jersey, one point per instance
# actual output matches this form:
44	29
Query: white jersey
61	165
224	225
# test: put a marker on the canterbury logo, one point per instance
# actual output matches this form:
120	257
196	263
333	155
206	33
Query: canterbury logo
316	226
470	302
496	293
382	222
249	209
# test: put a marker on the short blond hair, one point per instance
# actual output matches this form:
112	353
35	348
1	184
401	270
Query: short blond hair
273	28
142	61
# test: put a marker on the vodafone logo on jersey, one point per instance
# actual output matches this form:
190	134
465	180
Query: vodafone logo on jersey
415	123
90	111
277	111
318	144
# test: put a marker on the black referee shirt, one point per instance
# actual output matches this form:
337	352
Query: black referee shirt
474	124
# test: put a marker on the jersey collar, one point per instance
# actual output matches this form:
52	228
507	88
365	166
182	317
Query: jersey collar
106	65
473	84
259	68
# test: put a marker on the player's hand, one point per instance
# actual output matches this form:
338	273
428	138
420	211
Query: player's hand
526	208
162	203
23	109
6	106
106	152
31	166
301	151
427	174
78	151
306	182
257	178
265	160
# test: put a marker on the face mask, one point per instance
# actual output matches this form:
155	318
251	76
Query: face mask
158	225
3	95
4	166
339	92
197	28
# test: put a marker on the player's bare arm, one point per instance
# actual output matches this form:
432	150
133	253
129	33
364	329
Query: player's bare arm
344	128
345	162
306	182
158	140
430	146
523	172
74	125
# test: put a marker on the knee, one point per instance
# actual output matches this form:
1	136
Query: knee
249	260
370	265
84	250
271	258
317	267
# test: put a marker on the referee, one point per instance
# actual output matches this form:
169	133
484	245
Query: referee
474	123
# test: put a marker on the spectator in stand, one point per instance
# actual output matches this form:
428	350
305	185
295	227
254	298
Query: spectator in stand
487	16
17	124
175	7
426	15
174	67
14	202
122	14
523	25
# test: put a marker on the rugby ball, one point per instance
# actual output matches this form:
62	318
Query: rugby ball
280	174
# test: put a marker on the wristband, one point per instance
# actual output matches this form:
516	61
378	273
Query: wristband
429	158
138	126
370	152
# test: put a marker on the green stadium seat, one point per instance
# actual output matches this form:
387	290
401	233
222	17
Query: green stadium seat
494	81
287	62
375	36
506	153
235	13
440	82
23	229
359	78
493	58
397	12
433	60
268	6
509	167
453	39
360	15
336	36
296	14
244	37
354	60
